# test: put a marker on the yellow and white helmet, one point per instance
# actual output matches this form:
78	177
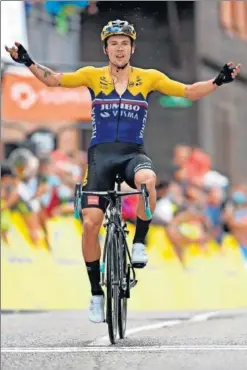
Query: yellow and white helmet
118	28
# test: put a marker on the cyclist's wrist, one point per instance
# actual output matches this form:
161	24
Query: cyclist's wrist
213	81
217	82
29	62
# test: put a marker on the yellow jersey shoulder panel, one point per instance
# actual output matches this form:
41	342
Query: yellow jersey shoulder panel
81	77
162	83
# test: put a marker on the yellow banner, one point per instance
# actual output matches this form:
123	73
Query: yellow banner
34	278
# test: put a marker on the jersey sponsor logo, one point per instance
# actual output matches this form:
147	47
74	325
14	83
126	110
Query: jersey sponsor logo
122	106
94	126
103	79
93	200
125	114
104	114
103	83
144	121
103	87
138	81
124	110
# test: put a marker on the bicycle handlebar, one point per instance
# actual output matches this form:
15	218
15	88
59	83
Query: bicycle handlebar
145	194
109	194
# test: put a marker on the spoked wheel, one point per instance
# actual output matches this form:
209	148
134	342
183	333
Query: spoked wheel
112	286
123	291
122	317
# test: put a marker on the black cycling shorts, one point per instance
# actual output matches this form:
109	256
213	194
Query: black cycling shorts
105	161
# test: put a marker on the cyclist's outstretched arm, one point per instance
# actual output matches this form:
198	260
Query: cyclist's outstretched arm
160	82
50	78
46	75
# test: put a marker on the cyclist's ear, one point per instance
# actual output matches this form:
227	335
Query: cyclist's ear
133	47
105	50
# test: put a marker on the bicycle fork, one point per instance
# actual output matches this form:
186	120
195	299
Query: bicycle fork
125	281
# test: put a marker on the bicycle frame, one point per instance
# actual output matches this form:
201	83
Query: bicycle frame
114	217
114	198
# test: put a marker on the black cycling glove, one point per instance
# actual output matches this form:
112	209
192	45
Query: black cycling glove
23	57
225	76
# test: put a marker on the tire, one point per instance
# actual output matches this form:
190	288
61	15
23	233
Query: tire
122	300
112	264
122	316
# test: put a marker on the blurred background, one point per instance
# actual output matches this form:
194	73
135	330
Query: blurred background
199	148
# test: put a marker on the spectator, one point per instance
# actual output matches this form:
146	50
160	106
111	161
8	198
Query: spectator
235	216
215	199
198	163
164	210
190	164
22	198
181	155
189	224
7	186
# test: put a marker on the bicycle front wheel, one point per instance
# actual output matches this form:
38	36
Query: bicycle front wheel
112	284
124	287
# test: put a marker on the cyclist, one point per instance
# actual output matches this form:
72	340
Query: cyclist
119	113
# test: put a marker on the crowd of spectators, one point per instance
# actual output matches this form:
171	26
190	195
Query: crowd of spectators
39	188
195	204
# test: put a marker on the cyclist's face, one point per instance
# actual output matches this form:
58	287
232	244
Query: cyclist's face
20	171
119	50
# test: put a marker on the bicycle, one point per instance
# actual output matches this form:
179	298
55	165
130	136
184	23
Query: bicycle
117	271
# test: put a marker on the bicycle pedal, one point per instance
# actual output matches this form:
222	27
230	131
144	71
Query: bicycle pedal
133	284
138	265
133	281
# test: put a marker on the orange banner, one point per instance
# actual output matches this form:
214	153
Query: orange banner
25	98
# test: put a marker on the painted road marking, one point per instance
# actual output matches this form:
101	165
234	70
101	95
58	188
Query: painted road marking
121	349
197	318
203	316
105	339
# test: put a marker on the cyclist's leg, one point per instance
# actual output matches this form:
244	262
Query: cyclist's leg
99	177
92	221
137	171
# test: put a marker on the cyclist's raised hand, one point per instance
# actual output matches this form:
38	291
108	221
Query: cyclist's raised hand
227	74
19	54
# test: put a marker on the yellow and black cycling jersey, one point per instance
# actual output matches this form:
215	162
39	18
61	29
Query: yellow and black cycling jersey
121	118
